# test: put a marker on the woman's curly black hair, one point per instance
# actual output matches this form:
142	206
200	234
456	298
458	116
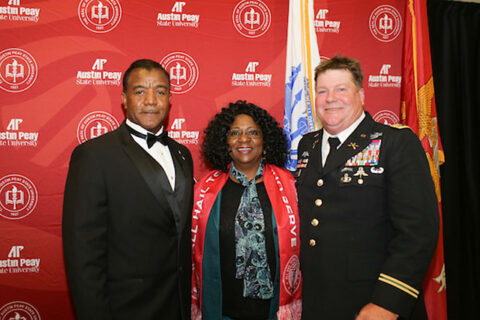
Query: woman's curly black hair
215	147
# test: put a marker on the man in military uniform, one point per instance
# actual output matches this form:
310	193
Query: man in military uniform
368	210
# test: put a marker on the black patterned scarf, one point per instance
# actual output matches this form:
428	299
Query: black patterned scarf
250	249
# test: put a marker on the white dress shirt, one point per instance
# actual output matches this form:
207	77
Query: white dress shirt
158	151
342	136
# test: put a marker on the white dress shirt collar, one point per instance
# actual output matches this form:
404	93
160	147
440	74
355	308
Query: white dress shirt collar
342	136
140	129
158	151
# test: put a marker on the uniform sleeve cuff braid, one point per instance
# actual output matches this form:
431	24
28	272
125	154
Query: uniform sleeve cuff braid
395	295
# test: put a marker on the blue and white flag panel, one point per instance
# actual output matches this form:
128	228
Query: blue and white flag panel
302	58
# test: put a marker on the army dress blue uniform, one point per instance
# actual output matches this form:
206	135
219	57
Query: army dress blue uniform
369	223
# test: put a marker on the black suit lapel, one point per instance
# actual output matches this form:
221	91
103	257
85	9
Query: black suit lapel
156	178
183	186
356	142
179	161
150	170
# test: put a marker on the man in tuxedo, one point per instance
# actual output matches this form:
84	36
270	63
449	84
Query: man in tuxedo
127	211
368	209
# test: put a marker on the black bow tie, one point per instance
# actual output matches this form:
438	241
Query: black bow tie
162	138
151	138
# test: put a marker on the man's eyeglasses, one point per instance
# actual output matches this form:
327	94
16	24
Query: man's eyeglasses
250	133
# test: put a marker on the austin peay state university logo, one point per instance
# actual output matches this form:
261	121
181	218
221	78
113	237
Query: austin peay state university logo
385	23
177	17
99	16
18	70
95	124
251	78
18	196
384	79
19	310
16	262
99	75
14	11
183	71
178	132
15	137
251	18
322	24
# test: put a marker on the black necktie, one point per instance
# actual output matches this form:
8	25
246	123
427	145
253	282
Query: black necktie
333	142
150	138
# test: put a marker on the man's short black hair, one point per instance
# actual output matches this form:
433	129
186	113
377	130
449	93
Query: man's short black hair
146	64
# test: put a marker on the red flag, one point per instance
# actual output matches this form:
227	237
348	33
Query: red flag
419	113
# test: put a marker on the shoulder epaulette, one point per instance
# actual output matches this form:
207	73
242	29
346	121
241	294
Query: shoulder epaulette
399	126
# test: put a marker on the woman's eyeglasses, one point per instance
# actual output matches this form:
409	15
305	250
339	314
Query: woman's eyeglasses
250	133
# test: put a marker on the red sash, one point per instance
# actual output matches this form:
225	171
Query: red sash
280	187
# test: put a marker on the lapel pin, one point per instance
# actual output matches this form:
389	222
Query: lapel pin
363	135
180	153
353	145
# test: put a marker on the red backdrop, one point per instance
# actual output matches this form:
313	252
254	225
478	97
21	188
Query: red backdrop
61	64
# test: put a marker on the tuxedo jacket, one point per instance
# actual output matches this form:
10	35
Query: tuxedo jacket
126	233
369	223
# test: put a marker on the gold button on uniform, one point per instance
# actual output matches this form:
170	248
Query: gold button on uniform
320	182
312	243
318	202
314	222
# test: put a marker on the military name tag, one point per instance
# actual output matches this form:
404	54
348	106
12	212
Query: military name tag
367	157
